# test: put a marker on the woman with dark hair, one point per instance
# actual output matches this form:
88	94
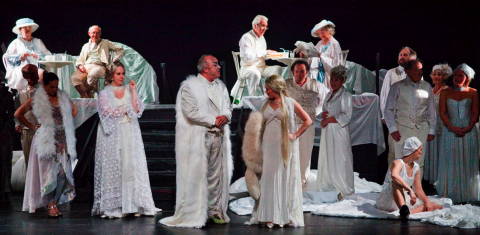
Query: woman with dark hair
458	173
122	184
49	180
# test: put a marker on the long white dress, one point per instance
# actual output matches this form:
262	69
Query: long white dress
335	159
385	199
281	198
13	64
122	184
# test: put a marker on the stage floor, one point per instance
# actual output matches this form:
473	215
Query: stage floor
77	220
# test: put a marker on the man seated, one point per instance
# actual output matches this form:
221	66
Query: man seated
253	51
93	62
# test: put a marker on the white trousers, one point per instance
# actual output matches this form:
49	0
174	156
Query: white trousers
396	148
250	78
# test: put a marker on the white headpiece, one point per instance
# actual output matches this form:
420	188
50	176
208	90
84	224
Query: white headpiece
411	145
24	22
320	25
467	70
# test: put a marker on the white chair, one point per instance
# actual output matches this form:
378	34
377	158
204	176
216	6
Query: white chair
238	95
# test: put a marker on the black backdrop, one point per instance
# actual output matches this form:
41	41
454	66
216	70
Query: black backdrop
178	32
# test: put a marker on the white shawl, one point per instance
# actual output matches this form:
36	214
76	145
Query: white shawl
45	135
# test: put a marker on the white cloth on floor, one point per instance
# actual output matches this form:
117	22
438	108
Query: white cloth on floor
362	205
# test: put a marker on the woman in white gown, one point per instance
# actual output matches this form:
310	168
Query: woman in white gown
122	185
23	50
335	159
402	175
280	201
329	52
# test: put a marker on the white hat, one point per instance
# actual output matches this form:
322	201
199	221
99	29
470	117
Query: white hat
411	145
320	25
467	70
24	22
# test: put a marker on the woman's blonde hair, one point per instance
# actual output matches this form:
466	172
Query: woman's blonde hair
278	84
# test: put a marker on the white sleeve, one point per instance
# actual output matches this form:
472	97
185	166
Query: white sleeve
247	50
384	91
390	105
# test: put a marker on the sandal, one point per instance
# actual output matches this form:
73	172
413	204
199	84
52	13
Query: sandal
51	211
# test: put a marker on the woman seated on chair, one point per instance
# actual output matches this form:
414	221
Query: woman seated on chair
403	174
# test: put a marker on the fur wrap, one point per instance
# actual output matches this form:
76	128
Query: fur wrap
252	153
45	135
191	207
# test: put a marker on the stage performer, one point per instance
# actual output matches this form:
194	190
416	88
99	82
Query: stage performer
280	187
30	73
402	188
49	180
203	148
330	52
253	51
335	158
440	74
310	94
458	168
122	184
93	62
23	50
410	110
395	75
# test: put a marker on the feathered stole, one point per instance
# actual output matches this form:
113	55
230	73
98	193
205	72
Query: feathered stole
252	153
45	135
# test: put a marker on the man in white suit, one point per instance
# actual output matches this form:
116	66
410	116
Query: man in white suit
202	148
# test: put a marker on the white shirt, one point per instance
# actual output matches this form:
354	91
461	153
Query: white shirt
252	50
393	76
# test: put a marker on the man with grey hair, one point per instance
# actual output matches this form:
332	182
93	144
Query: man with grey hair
93	62
202	148
253	51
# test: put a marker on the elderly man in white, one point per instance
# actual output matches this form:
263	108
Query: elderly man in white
310	94
253	51
93	62
395	75
410	110
202	148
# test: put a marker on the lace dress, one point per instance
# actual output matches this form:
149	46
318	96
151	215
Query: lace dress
122	183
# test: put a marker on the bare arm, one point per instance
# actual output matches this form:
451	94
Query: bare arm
20	114
74	109
396	179
307	121
417	185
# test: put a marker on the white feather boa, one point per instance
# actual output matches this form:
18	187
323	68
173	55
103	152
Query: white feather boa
45	135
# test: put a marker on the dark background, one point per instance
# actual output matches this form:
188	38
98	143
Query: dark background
178	32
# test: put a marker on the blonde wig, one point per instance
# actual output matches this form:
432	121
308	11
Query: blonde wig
278	85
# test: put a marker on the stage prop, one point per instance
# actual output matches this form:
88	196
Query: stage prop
137	68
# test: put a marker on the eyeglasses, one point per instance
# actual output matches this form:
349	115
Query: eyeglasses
262	26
